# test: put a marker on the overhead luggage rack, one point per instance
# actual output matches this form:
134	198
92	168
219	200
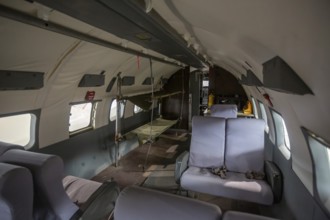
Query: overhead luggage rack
128	20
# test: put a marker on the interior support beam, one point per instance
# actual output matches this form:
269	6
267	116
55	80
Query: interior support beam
31	20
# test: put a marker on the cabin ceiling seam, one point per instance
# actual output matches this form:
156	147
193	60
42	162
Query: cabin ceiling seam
188	26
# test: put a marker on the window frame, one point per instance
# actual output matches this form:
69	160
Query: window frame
309	134
254	107
262	107
34	127
92	116
283	146
136	112
123	103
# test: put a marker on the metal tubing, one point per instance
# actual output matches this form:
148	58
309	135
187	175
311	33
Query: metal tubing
118	118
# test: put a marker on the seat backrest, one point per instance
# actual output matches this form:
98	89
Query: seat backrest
7	146
224	110
16	193
207	145
244	145
50	199
141	203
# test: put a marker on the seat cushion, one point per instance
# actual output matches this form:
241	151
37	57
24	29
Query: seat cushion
245	145
145	204
207	142
235	186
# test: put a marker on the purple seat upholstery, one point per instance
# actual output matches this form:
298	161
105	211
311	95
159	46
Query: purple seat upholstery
78	189
145	204
207	145
224	111
50	199
16	193
6	146
234	215
238	145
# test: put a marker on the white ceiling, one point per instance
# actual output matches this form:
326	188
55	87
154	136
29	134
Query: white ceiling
233	32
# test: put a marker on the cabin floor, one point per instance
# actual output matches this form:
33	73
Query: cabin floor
135	169
157	171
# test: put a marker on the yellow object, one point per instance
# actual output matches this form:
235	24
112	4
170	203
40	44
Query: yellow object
247	108
210	100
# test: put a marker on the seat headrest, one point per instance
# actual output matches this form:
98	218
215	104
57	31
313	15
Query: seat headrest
7	146
51	200
224	110
16	193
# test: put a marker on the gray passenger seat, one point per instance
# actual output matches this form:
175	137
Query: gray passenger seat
138	203
145	204
51	201
234	146
16	193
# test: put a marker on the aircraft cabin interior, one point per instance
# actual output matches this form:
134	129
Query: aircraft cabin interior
145	110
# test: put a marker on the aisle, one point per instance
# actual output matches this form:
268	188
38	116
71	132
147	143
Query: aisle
162	156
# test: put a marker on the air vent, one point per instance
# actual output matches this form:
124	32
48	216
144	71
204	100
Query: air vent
250	79
92	80
279	76
21	80
147	81
163	81
128	80
249	65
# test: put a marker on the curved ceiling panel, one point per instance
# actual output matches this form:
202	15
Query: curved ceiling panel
128	20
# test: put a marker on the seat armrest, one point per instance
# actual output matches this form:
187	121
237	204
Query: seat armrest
181	165
100	204
274	179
